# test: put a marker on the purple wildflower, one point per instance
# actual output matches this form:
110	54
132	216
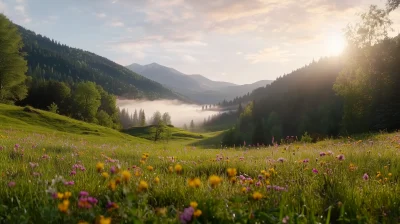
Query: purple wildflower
314	170
365	176
322	154
340	157
72	173
11	184
306	160
83	194
187	214
281	160
92	200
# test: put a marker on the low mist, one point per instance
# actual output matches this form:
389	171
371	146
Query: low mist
181	113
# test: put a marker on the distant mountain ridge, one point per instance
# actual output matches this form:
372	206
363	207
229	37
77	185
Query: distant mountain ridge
196	87
49	60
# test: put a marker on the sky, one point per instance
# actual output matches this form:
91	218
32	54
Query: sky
239	41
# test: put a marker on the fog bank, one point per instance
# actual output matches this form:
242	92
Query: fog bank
181	113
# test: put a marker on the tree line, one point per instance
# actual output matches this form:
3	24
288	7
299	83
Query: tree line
138	119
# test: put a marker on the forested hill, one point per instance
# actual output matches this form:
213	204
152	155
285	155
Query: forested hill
50	60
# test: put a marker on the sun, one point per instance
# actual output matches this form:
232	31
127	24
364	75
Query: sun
335	44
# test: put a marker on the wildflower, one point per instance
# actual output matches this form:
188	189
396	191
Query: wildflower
114	170
322	154
60	195
378	174
112	185
306	160
231	172
68	183
84	203
281	160
83	194
257	195
314	170
126	175
150	168
99	167
194	182
285	219
11	184
389	174
197	213
67	195
214	180
178	168
105	175
104	220
244	189
187	214
33	165
156	180
72	173
112	206
193	204
340	157
258	183
63	207
143	186
365	176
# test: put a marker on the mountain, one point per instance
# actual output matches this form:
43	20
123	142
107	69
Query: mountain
50	60
196	87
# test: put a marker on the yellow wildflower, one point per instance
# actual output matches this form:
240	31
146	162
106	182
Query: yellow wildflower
104	220
197	213
214	180
156	180
231	172
60	195
150	168
178	168
105	175
67	195
63	207
126	175
194	182
143	185
99	166
112	185
257	195
193	204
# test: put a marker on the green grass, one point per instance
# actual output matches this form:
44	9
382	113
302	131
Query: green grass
34	120
148	132
336	194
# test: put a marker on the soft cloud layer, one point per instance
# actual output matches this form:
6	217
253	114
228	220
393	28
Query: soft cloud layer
244	40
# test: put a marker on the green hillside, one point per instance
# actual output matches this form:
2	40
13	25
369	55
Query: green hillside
50	60
32	120
176	133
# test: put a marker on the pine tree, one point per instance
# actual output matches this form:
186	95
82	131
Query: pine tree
192	125
12	63
135	119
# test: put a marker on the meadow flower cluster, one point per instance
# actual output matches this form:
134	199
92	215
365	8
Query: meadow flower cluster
86	182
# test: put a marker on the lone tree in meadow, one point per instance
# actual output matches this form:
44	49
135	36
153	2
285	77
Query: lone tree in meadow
13	66
87	99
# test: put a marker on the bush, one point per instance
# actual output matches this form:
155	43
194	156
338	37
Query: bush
306	138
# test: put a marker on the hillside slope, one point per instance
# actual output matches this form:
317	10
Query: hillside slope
48	59
38	121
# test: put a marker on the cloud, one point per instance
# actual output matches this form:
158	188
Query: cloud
272	54
3	7
116	24
100	15
21	12
189	59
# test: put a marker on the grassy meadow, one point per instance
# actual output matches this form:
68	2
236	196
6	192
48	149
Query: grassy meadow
58	170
